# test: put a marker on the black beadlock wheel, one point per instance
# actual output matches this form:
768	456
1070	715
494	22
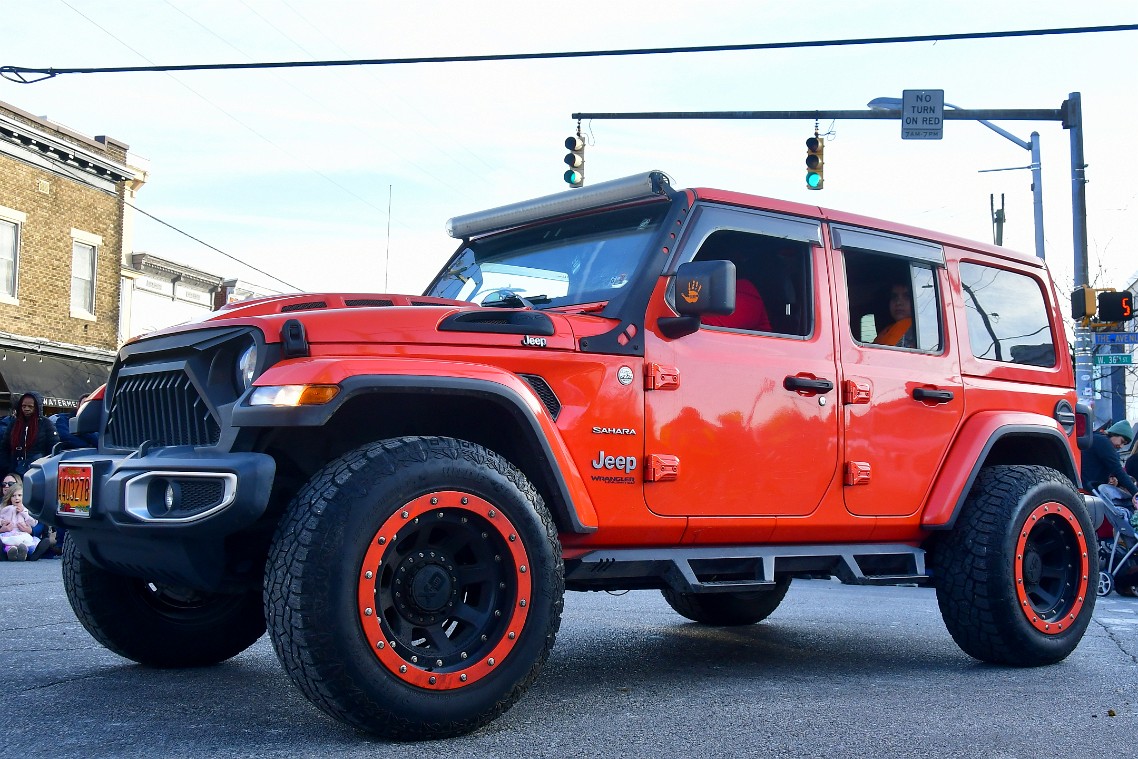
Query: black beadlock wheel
728	608
414	587
1016	577
159	625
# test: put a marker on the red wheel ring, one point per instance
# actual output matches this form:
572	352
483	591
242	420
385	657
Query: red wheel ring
446	621
1051	568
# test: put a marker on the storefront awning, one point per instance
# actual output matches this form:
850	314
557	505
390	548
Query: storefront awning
59	380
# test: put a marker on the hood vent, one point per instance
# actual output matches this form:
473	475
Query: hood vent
501	322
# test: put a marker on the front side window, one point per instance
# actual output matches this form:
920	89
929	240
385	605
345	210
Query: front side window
893	301
82	278
588	259
1007	316
9	257
772	282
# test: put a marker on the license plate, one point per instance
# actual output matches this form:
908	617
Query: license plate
73	489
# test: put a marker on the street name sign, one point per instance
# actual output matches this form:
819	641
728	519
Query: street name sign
1111	359
922	114
1116	338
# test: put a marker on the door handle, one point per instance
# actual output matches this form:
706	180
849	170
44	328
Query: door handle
808	384
936	396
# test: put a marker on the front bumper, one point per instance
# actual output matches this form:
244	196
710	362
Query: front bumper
132	530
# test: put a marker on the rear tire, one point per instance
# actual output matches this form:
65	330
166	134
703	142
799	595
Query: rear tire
159	625
728	609
1016	577
414	587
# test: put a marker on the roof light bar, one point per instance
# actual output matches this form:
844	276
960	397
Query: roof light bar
637	187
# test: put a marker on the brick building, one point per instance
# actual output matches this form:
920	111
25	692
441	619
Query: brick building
64	228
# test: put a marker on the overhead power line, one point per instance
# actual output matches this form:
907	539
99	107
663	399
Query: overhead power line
21	74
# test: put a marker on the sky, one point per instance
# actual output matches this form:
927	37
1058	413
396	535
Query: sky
342	179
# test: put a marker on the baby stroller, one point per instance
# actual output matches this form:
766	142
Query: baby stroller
1118	564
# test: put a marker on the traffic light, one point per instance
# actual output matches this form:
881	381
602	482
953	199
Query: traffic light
575	159
1083	305
1115	306
814	147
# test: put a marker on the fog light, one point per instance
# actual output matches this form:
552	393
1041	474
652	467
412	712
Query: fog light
171	495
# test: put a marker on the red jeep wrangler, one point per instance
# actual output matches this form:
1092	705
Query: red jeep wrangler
620	387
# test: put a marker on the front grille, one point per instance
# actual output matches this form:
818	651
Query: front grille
163	408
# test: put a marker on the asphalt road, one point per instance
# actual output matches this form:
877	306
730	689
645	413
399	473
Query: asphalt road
835	672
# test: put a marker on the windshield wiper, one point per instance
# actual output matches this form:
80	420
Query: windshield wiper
510	299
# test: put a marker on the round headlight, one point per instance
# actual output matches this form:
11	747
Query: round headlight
247	367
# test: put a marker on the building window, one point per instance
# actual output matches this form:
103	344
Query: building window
10	222
9	257
84	255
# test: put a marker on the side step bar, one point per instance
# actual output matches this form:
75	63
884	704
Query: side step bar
731	568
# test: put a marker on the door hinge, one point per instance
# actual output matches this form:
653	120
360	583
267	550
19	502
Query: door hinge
854	392
857	472
658	377
662	467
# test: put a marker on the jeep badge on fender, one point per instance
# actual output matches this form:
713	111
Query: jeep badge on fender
387	490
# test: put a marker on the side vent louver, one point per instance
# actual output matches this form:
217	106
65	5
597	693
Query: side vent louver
545	393
304	306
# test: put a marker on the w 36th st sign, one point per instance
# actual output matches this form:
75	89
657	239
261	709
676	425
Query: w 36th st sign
922	115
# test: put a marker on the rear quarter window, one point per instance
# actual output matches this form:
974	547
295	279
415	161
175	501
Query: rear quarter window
1007	316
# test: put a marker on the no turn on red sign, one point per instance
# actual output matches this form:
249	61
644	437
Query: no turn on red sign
922	115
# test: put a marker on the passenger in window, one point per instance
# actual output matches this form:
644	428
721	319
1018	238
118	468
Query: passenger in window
900	333
750	312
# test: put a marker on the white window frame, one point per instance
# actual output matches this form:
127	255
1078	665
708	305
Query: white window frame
94	242
17	218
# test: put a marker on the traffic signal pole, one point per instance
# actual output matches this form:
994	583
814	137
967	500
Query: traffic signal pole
1070	114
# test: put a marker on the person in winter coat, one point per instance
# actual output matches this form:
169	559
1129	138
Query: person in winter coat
31	436
1101	463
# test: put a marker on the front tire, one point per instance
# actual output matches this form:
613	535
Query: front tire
1015	579
728	609
159	625
414	587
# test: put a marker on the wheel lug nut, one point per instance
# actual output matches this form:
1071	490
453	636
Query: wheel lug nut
431	680
368	574
434	501
462	655
379	644
465	500
513	538
462	678
403	669
438	662
513	635
522	569
522	603
490	662
367	612
382	540
414	659
405	514
491	513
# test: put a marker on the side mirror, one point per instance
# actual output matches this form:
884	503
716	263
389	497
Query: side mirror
705	287
702	287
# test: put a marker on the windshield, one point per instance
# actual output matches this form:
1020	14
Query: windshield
583	260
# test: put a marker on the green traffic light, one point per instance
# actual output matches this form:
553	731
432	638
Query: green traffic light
573	177
813	180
